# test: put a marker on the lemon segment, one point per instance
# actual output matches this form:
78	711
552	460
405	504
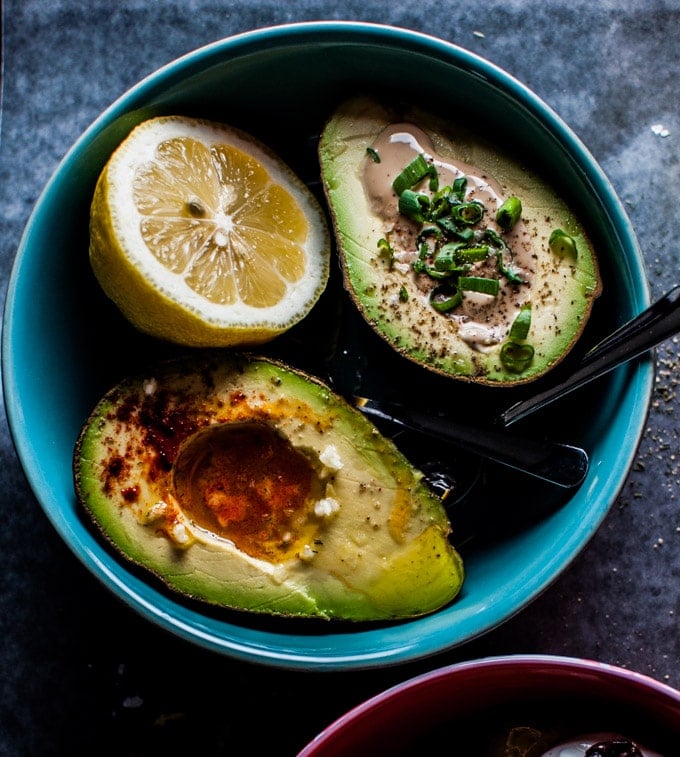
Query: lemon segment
203	237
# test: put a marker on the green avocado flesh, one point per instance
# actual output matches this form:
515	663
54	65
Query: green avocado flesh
434	310
247	484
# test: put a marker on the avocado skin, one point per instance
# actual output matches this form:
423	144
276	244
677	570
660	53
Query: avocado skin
384	554
563	291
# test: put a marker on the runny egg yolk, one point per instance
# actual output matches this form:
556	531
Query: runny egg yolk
246	483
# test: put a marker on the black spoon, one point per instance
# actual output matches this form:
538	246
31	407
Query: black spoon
560	464
648	329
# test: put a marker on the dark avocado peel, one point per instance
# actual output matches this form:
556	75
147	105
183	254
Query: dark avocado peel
500	294
241	482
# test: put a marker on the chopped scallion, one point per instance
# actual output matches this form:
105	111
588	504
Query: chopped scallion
449	226
414	172
511	276
444	304
561	243
414	205
429	231
509	213
516	357
434	178
385	250
520	326
472	254
373	154
467	234
459	186
479	284
436	273
493	239
468	213
446	259
440	208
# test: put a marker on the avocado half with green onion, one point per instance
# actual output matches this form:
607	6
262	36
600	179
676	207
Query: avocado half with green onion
244	483
461	258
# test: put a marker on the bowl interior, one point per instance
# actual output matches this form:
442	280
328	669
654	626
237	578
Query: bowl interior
64	344
471	705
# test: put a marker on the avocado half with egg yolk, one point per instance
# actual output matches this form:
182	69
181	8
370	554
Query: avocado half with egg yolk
248	484
432	269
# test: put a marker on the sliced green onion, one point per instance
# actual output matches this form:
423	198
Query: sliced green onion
472	254
435	273
446	259
561	243
494	239
414	205
403	294
459	186
468	213
414	172
520	326
479	284
441	194
440	205
452	229
509	213
467	235
373	154
444	304
512	277
419	265
516	357
434	178
449	226
385	250
429	231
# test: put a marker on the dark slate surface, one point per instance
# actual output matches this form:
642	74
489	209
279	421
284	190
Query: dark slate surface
79	673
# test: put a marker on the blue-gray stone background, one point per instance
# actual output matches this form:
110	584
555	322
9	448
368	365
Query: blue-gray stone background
79	672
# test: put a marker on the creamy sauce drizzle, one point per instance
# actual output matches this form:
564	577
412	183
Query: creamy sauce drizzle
482	320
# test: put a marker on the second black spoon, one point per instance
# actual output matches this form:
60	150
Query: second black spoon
643	332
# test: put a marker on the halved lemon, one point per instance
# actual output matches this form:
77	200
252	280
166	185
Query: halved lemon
202	236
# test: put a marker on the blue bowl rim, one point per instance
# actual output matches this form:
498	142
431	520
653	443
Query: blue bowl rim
365	648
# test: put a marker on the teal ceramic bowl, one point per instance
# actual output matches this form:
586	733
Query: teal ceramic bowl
64	344
472	707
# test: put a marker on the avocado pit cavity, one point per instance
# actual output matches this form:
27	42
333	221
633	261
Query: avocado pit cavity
248	484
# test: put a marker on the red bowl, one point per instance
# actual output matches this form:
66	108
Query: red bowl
458	702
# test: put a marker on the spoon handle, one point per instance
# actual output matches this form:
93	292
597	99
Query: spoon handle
560	464
655	324
659	321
